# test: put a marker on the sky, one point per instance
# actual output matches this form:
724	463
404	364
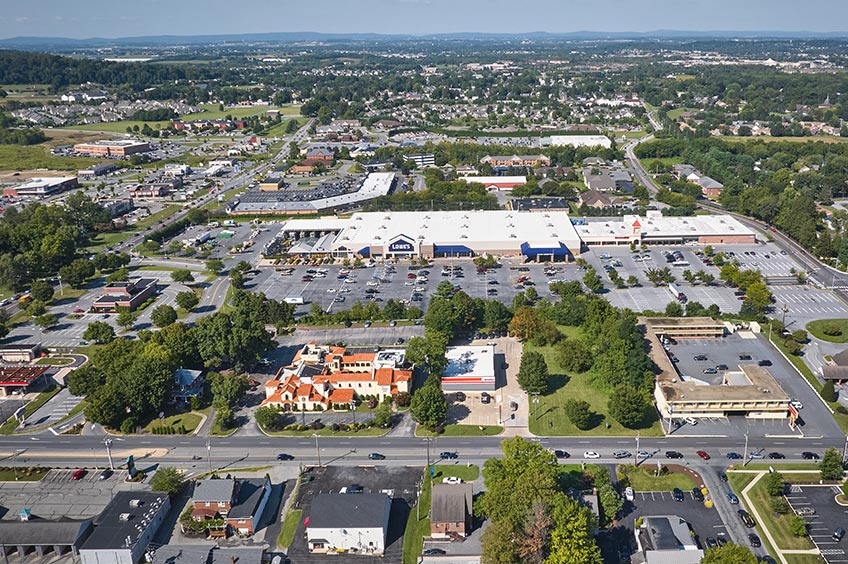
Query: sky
127	18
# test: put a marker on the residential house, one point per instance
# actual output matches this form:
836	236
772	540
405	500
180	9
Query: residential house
187	384
240	503
212	498
594	199
667	539
709	186
348	523
450	511
324	376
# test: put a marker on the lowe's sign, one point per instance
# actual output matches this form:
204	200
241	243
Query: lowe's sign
401	246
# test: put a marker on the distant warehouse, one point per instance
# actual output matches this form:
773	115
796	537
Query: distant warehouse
41	187
581	141
109	148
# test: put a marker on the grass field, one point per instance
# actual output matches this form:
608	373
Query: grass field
102	240
817	328
210	111
667	162
462	431
642	479
548	417
30	157
289	528
418	522
675	113
188	420
778	525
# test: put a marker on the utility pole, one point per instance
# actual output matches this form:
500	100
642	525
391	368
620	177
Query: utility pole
636	454
784	309
317	449
745	455
353	410
108	442
209	453
427	442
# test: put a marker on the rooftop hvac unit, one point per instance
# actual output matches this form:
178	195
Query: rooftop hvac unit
135	502
124	517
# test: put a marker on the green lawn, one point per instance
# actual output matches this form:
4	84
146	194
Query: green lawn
642	479
782	466
55	361
34	474
778	525
467	473
29	157
280	130
667	162
188	420
109	239
462	431
548	417
289	527
328	432
675	113
816	328
798	363
169	210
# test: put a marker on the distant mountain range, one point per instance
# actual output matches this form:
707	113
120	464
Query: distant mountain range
46	43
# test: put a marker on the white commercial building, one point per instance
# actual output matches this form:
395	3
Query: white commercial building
497	182
659	229
581	141
348	523
537	236
469	369
125	528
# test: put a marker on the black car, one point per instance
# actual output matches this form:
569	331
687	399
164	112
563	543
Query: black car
701	357
105	474
807	455
696	493
721	539
485	398
744	357
764	362
354	489
448	455
722	476
677	494
673	454
746	518
561	454
721	367
459	396
754	540
711	542
376	456
434	552
284	456
776	456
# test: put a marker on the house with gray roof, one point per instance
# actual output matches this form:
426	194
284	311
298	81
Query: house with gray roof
666	539
450	511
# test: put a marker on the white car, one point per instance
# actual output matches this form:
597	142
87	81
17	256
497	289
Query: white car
591	454
797	405
331	290
691	421
350	281
409	283
451	480
418	289
628	494
372	283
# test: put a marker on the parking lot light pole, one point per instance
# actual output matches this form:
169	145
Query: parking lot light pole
353	410
108	442
636	454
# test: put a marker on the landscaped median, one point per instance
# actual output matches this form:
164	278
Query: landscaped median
461	431
418	522
775	527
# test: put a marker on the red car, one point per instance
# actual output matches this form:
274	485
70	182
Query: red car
78	310
703	454
78	474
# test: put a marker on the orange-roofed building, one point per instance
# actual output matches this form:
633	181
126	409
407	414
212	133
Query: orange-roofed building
323	376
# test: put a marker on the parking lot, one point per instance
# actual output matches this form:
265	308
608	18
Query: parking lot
828	515
399	483
59	495
705	522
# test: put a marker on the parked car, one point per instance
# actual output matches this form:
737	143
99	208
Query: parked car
451	480
796	404
105	474
697	494
78	474
629	495
711	542
485	398
721	539
434	552
677	494
838	534
459	396
691	421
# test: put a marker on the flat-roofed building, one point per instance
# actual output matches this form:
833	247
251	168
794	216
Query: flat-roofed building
41	187
469	369
125	528
20	353
658	229
581	141
751	390
113	148
531	161
272	183
129	294
497	182
97	170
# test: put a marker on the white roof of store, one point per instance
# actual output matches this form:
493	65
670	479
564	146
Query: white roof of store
476	363
487	180
581	140
658	226
42	182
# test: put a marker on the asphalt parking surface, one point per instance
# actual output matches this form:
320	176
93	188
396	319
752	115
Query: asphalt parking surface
399	483
828	516
705	522
726	350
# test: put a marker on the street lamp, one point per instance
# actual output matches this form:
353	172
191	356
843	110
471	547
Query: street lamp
209	453
636	454
353	410
317	449
108	442
784	309
745	455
